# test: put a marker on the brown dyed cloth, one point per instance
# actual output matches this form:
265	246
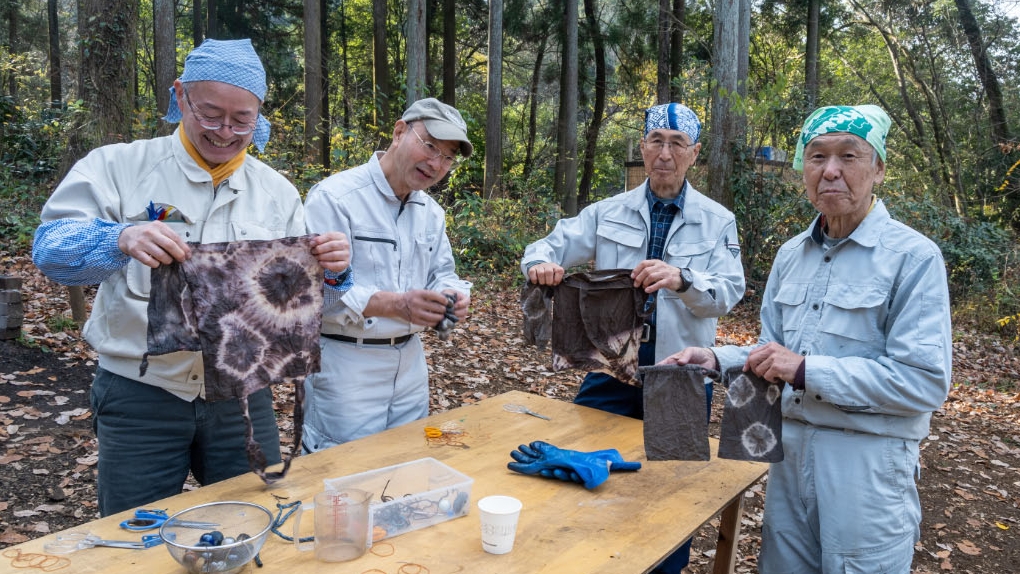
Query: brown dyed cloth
254	310
594	322
675	425
752	423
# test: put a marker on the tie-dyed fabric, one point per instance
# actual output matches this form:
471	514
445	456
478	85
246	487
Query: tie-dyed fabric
752	423
594	322
254	311
675	427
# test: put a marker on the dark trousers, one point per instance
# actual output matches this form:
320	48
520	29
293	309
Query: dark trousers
606	393
150	439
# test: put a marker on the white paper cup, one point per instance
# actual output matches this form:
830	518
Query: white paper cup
499	516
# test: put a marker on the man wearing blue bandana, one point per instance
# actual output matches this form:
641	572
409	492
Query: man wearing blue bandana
126	208
855	325
682	247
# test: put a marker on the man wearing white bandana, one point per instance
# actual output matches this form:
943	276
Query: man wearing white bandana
126	208
855	325
683	249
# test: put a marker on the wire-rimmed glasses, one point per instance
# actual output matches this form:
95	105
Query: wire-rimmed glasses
214	124
434	152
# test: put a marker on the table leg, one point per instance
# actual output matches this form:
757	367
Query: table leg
729	533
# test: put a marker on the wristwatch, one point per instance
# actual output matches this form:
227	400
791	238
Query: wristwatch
686	280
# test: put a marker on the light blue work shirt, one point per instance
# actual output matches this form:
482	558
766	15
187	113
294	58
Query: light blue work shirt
871	316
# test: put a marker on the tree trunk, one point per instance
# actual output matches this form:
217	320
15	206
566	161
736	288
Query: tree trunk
313	81
591	134
723	125
164	35
56	89
108	33
662	66
811	54
990	82
213	22
345	120
676	51
417	50
324	47
197	23
380	64
12	12
450	52
108	28
493	184
565	184
536	78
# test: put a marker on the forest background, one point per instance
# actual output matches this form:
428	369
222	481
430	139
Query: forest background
554	93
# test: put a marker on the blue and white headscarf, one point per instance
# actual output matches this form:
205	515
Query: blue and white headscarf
673	116
232	62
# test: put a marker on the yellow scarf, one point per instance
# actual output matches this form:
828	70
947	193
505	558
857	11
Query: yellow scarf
218	173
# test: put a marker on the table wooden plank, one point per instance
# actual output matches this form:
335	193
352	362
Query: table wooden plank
628	524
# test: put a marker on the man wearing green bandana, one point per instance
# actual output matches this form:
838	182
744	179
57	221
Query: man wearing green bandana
855	326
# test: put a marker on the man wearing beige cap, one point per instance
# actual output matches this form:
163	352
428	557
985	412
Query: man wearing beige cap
374	374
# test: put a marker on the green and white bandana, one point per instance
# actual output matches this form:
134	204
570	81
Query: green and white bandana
868	122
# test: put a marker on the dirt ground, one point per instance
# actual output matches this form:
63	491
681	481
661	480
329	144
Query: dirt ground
970	484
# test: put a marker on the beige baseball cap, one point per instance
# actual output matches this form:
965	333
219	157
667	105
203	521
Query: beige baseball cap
444	122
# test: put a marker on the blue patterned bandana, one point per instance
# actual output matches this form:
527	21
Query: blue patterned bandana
867	122
232	62
673	116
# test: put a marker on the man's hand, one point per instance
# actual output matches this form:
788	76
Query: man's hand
549	274
332	250
460	309
774	363
153	244
423	307
655	274
693	356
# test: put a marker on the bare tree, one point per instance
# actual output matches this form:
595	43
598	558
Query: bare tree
197	23
664	35
565	183
313	80
450	52
492	184
417	50
723	127
996	109
164	36
591	133
56	89
380	64
811	54
676	51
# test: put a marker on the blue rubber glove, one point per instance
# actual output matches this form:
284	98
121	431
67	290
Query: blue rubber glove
588	468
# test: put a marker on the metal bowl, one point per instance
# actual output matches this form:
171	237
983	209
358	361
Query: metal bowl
244	527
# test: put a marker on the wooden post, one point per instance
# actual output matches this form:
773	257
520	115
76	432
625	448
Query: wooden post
76	298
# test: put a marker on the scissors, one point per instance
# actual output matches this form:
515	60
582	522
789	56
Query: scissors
147	519
69	542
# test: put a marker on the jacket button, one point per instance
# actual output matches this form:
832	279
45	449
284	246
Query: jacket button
797	400
194	377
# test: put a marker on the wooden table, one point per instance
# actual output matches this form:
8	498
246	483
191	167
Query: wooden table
628	524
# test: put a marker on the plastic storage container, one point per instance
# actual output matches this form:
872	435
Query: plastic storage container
410	495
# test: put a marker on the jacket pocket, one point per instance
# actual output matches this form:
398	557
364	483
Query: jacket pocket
854	312
791	298
692	254
619	245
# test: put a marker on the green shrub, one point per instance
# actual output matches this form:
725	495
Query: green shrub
489	236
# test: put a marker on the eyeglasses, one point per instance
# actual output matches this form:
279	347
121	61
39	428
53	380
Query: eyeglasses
214	124
434	152
656	145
